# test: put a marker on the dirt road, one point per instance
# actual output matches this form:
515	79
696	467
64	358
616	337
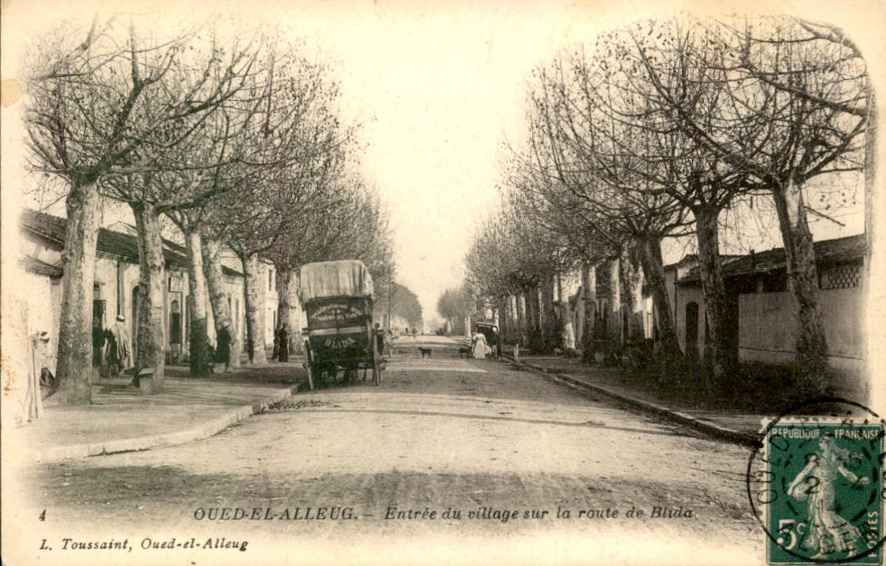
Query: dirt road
446	451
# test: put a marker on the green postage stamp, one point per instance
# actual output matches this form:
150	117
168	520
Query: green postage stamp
822	491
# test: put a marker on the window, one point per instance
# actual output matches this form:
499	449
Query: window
98	308
175	323
846	276
234	314
692	329
270	279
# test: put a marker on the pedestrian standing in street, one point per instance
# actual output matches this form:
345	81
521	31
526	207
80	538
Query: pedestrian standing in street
110	363
282	339
98	346
276	354
480	347
223	351
379	339
121	336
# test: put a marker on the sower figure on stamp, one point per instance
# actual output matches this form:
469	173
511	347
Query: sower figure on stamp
828	531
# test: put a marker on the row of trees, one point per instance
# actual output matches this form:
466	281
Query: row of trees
235	138
455	305
396	300
658	131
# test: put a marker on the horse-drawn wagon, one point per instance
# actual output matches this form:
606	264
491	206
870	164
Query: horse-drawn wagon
340	337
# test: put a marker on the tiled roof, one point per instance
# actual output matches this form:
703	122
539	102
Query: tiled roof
685	259
693	259
39	267
119	244
838	250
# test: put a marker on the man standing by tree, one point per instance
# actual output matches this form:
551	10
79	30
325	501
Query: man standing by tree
223	351
282	343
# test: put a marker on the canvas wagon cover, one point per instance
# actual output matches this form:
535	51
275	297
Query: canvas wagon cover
346	278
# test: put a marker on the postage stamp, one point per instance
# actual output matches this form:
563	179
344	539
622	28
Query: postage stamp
820	487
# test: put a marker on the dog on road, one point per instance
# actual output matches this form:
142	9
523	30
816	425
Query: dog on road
425	352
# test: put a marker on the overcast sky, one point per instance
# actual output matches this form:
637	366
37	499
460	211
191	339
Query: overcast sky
437	88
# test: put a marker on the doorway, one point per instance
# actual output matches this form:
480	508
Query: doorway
692	330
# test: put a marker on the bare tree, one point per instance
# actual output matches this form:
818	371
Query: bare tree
344	221
298	144
685	60
174	173
805	138
91	117
560	213
589	152
511	256
843	67
221	149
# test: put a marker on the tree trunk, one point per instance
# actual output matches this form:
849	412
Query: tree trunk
503	306
632	279
803	283
522	318
533	329
284	279
589	299
152	278
550	334
615	318
717	350
653	271
871	147
255	310
513	322
198	339
74	366
212	269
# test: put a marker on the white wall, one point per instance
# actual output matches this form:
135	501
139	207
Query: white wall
768	327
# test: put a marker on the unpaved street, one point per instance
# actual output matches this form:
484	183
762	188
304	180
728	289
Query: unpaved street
505	448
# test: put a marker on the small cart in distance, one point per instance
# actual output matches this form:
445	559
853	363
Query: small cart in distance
340	337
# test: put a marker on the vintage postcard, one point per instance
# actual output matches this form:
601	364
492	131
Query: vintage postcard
385	282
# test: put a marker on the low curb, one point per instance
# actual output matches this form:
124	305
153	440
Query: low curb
197	432
704	427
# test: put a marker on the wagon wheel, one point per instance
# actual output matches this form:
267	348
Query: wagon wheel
350	374
328	373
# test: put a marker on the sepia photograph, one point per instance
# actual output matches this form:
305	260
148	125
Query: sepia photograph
383	282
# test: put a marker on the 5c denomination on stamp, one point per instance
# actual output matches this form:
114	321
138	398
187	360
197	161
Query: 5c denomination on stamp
816	485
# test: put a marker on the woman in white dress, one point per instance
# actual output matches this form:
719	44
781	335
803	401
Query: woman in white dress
480	346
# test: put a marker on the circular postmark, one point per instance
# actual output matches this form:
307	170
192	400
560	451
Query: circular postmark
815	484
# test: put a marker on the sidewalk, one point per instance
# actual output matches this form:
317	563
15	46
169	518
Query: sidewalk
121	419
739	427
